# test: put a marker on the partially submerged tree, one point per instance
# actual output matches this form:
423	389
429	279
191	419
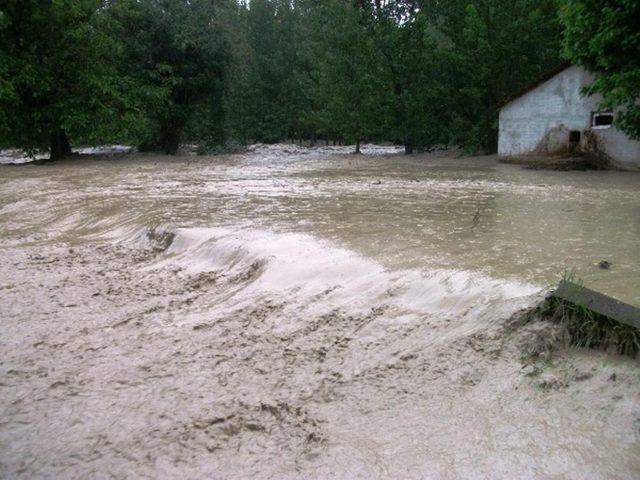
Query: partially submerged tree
57	84
604	38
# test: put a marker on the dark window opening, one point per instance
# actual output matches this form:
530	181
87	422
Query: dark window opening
601	119
574	136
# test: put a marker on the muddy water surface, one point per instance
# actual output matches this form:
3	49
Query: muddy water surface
309	314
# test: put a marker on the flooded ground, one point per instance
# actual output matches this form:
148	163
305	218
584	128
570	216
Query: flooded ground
296	313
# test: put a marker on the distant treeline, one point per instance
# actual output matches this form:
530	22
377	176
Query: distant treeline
221	72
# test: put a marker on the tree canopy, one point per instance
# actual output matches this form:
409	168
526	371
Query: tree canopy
603	37
58	80
416	72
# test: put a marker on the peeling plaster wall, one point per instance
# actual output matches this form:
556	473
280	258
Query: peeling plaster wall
539	121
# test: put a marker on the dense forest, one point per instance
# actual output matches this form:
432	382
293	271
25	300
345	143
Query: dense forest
223	73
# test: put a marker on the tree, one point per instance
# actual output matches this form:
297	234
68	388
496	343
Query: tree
413	67
491	49
450	64
56	83
268	92
604	38
415	72
176	55
350	83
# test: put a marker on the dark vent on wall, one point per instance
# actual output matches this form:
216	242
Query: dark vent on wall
574	136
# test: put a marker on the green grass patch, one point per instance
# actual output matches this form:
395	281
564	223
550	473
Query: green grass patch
585	328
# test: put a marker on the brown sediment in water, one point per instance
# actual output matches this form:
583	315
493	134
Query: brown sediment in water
138	377
243	353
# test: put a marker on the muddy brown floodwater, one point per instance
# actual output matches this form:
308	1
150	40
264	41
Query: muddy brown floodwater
291	313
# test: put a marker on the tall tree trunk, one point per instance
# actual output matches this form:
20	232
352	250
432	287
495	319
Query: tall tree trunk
408	148
170	145
358	145
170	133
59	145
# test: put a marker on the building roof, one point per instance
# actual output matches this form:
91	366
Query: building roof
543	78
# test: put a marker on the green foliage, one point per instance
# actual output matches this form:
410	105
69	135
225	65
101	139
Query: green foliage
216	148
158	72
350	85
570	275
269	89
175	55
585	328
54	80
603	37
491	49
444	67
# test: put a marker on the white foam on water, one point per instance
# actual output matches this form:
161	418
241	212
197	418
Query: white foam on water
287	150
105	150
316	275
19	157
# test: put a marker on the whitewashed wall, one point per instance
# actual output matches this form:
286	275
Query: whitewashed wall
540	120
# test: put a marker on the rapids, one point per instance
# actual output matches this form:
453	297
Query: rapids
306	313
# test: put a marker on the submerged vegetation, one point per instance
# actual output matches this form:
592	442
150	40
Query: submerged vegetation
584	327
222	73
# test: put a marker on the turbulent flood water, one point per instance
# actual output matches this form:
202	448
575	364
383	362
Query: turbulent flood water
292	313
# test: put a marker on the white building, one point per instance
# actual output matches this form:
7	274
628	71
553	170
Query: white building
553	117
